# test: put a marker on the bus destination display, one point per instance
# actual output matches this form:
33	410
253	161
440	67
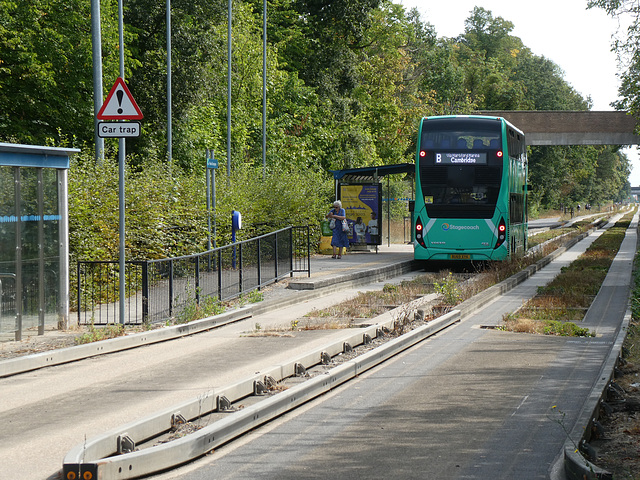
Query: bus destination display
467	158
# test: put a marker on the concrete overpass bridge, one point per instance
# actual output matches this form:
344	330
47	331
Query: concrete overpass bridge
556	127
559	127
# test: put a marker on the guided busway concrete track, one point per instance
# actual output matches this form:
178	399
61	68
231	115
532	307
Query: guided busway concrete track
120	453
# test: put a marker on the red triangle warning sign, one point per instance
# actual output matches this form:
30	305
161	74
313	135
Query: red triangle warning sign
119	104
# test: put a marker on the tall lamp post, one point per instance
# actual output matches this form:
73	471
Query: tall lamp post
121	161
96	44
264	89
229	18
169	127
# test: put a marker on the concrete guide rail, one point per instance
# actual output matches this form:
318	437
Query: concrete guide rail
50	358
577	459
103	457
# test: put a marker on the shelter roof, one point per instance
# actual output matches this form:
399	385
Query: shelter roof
16	155
369	174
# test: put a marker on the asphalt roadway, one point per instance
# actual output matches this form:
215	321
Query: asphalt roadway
469	403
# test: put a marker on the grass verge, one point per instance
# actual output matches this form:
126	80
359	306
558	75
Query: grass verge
557	307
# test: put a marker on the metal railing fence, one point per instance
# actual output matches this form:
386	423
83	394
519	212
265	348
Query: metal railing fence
158	290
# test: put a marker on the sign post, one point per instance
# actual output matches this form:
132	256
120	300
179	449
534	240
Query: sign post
118	129
120	105
212	165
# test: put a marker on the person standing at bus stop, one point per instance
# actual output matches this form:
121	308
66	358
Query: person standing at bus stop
339	238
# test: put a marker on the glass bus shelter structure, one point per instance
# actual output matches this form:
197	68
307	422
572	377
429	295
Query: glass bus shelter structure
34	239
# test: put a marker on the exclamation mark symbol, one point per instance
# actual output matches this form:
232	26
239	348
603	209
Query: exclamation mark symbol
120	95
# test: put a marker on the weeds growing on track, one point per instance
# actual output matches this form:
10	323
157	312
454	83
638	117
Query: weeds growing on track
96	334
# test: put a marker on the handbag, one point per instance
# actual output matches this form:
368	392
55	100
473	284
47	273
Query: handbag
332	223
345	225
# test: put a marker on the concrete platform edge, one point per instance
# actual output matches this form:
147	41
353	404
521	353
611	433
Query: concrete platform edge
356	278
189	447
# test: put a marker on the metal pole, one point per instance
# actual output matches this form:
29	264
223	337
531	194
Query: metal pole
145	291
18	237
264	89
63	235
213	203
233	240
96	42
229	18
208	200
121	159
121	231
41	285
388	213
169	127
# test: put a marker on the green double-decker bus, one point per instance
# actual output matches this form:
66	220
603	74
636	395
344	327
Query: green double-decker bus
471	189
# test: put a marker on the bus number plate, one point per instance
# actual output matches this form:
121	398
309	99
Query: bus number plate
458	256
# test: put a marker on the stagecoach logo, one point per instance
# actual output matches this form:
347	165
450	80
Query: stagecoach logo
447	226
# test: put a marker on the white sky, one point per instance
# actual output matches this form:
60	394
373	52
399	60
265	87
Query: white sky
576	39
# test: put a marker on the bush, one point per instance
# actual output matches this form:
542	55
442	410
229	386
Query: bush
565	329
166	214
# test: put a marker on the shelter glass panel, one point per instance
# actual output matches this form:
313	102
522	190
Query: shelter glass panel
51	244
7	249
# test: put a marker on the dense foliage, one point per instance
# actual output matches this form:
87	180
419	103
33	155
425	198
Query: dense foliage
347	82
627	46
166	212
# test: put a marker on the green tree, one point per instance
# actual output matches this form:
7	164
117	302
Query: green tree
490	54
46	89
627	46
329	62
198	39
545	86
489	35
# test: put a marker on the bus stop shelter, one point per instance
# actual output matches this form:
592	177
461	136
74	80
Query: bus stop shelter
34	239
360	191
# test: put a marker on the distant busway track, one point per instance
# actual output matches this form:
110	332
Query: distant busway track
147	446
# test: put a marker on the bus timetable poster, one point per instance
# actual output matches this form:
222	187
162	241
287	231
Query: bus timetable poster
362	205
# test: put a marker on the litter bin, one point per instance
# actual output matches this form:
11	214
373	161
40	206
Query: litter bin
325	238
